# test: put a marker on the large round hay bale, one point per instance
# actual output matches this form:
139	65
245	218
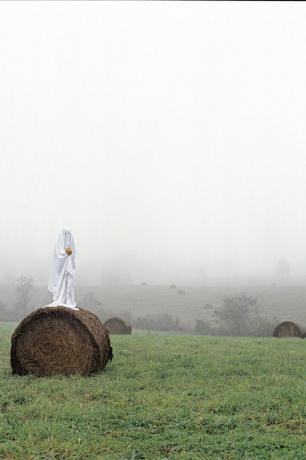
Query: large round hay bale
289	329
59	340
117	326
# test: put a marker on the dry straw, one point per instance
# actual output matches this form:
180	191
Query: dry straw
289	329
117	326
59	340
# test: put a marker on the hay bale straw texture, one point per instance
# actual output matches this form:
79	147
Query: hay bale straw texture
59	340
289	329
117	326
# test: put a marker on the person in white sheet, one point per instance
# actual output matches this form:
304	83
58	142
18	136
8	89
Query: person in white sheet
61	282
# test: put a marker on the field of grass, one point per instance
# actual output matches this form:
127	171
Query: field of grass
162	397
281	301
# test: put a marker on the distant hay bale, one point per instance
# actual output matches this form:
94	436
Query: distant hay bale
117	326
172	286
59	340
289	329
181	292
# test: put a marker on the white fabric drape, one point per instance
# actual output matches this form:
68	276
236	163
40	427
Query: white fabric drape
61	282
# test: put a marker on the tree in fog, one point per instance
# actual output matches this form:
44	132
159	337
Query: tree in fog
238	315
283	268
202	327
24	287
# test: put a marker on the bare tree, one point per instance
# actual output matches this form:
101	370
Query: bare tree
239	315
24	287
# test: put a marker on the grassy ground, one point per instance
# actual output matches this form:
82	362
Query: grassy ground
284	302
163	397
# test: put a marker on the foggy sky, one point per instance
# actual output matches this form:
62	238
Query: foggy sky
170	138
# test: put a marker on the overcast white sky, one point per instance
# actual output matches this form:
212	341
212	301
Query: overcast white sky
170	137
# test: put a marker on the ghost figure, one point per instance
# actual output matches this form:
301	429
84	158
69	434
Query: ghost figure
61	282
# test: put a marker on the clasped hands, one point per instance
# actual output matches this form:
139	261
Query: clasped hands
68	251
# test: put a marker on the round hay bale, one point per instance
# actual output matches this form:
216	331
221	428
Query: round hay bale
117	326
289	329
59	340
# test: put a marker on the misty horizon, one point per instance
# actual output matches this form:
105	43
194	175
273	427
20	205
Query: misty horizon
172	153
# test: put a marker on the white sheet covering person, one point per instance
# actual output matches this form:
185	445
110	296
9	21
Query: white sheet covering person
61	282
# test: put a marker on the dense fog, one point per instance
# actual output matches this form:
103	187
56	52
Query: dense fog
170	138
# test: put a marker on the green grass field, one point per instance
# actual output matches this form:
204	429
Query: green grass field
162	397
